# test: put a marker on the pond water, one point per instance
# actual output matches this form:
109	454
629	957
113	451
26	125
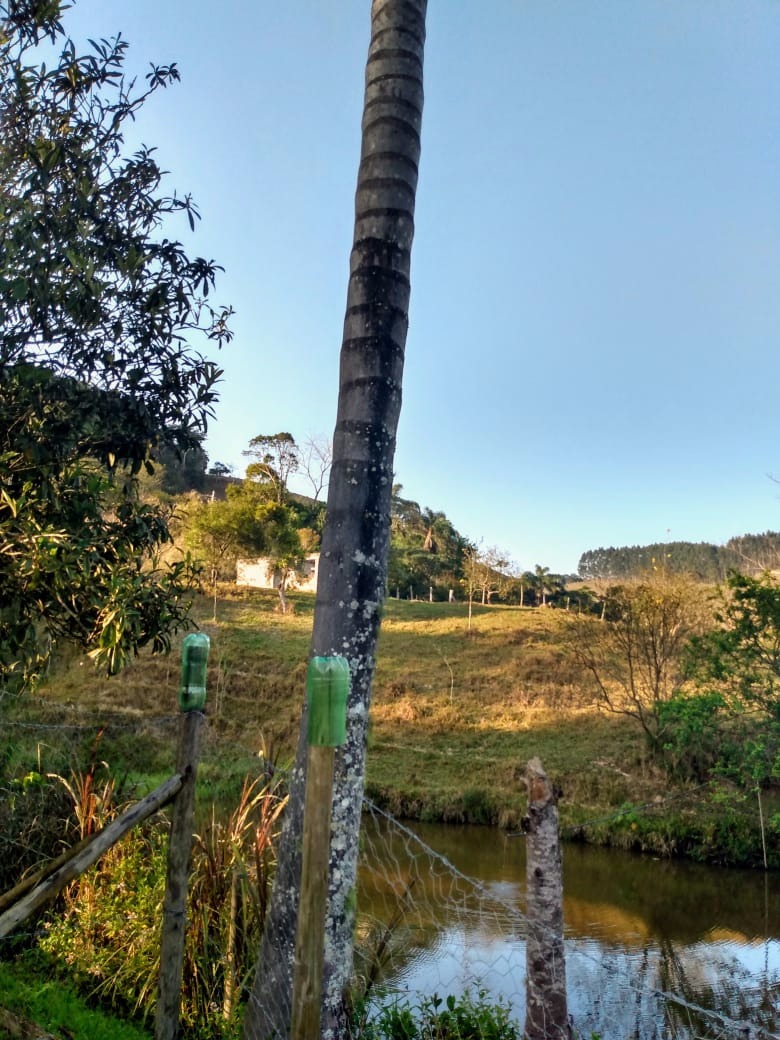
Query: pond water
443	906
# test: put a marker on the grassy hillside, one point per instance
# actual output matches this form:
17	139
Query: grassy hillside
456	714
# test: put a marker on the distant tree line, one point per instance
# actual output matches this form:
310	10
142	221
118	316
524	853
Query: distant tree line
751	553
227	518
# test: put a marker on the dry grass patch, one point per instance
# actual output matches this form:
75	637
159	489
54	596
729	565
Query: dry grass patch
456	714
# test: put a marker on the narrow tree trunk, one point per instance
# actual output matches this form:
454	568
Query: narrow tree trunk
353	562
546	1016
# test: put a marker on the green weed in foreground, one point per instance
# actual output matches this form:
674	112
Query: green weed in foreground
471	1016
468	1017
57	1009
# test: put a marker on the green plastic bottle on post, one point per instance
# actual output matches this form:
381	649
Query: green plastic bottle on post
194	659
327	689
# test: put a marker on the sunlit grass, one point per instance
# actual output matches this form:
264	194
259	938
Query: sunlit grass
457	710
456	714
27	1003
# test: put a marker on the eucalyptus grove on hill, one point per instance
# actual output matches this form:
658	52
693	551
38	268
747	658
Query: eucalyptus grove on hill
357	527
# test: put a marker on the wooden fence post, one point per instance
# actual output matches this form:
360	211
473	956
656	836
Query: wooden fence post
192	699
546	1016
327	687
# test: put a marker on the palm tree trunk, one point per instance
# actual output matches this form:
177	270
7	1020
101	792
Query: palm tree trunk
353	562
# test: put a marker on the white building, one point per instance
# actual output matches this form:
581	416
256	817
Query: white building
261	574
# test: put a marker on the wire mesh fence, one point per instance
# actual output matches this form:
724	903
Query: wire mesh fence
428	927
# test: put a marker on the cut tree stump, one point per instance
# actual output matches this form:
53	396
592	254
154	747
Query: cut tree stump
546	1016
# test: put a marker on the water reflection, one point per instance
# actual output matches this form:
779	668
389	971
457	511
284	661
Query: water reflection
636	929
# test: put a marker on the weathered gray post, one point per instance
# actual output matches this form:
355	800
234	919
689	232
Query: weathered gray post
327	688
192	700
546	1016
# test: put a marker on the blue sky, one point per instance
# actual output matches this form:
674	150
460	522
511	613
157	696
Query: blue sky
593	347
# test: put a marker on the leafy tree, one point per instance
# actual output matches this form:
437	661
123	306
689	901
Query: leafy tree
218	531
97	311
736	669
286	545
527	587
251	521
636	657
181	471
426	552
742	654
698	739
542	582
220	469
276	459
307	512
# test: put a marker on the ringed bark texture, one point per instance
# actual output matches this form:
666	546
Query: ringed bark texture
353	562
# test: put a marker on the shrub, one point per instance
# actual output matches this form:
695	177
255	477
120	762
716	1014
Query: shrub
469	1017
635	657
34	810
695	742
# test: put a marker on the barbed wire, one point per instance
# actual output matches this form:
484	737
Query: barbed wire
89	728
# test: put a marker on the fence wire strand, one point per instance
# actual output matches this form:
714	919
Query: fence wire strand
424	927
440	931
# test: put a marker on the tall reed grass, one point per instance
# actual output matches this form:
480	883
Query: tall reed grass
105	935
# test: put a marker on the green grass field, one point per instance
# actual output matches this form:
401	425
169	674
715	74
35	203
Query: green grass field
31	1004
456	714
